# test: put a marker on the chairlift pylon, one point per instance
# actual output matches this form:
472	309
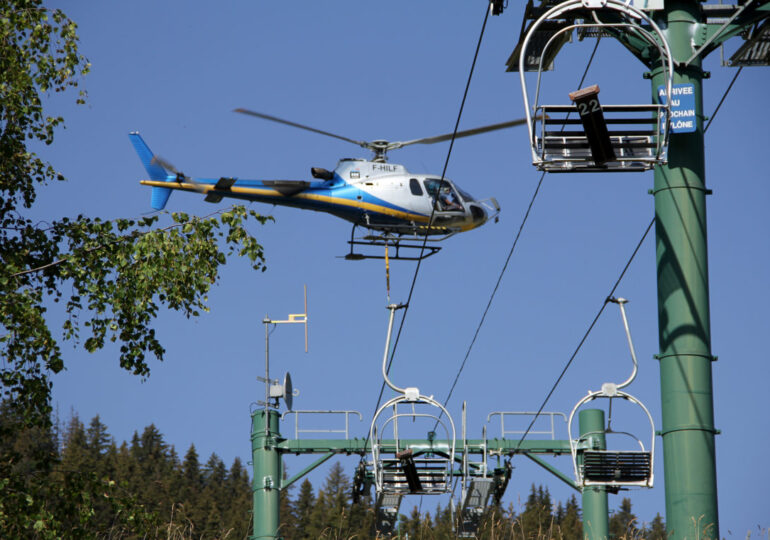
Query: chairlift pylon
631	137
597	466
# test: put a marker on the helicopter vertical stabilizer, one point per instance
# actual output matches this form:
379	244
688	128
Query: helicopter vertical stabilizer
159	196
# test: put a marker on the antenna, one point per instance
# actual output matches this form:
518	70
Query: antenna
294	318
273	388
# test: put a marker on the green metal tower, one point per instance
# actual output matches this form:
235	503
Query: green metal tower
594	500
691	30
266	485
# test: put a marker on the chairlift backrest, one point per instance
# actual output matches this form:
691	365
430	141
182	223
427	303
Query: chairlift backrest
593	463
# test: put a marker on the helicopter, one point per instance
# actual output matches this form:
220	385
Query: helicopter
395	206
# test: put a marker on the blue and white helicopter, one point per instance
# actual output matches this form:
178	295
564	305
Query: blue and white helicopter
396	206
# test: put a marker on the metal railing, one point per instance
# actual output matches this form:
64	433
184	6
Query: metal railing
345	431
504	432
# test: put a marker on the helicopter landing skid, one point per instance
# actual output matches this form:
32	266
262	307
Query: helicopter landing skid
388	240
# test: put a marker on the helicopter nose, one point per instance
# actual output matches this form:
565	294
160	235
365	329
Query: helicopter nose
478	214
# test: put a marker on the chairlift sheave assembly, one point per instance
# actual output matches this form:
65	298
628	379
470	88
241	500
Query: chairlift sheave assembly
613	138
394	205
596	465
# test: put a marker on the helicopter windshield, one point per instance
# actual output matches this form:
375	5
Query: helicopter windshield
467	197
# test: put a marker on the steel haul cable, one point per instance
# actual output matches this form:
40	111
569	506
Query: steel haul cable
510	252
585	336
430	221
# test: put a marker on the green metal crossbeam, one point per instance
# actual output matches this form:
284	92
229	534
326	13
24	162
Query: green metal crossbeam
362	446
317	463
553	470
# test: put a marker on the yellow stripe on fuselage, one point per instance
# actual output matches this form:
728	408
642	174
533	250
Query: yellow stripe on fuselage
265	192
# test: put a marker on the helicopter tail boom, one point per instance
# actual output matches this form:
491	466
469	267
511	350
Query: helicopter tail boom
159	195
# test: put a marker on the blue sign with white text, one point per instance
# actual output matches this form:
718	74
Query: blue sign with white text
682	107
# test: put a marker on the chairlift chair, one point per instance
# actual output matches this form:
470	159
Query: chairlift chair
423	468
597	466
420	469
634	137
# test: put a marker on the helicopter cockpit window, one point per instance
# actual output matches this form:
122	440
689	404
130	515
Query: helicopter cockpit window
467	197
445	196
414	185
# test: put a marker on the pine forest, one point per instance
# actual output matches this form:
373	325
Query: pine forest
74	481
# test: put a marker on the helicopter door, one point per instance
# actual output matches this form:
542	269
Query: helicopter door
445	195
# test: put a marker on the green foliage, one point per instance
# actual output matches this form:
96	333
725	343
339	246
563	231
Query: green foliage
110	277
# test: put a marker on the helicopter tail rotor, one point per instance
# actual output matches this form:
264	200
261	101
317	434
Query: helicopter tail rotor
155	170
180	176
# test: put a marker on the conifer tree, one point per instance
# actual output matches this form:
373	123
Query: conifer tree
442	522
287	512
536	520
191	487
362	517
623	523
657	529
75	455
304	509
97	444
337	490
411	525
570	525
238	499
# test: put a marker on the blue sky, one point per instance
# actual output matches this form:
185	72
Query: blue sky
175	70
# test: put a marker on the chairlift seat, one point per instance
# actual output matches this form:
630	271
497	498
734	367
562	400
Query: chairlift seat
562	146
431	475
610	468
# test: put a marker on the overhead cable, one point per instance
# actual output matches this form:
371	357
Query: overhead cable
585	336
723	99
510	252
430	222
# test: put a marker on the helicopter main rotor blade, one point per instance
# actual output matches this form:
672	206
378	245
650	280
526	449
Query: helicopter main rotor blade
465	133
363	144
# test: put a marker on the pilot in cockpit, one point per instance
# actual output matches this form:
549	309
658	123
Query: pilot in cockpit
449	199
